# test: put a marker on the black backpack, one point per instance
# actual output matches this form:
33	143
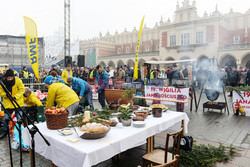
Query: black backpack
186	143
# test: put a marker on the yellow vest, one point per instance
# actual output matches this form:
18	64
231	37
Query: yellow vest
15	73
152	75
25	74
91	76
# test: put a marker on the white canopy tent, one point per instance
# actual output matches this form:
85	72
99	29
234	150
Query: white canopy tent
170	62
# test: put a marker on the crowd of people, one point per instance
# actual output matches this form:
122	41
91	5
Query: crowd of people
67	87
230	75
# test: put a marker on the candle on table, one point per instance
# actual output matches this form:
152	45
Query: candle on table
87	114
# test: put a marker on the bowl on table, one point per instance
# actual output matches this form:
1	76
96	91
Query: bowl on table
143	114
138	118
91	136
157	112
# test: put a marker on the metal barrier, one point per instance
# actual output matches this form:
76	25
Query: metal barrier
34	85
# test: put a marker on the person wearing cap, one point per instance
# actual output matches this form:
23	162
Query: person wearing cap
54	68
82	88
63	95
67	73
102	80
16	88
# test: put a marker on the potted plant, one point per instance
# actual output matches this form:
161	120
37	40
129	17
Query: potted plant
127	96
125	114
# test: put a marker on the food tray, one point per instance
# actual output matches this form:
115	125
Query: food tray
91	136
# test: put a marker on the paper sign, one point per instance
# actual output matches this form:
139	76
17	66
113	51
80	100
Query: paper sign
245	102
166	93
94	93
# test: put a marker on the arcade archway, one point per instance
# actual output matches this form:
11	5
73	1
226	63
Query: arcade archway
102	64
228	60
111	64
245	62
130	63
120	63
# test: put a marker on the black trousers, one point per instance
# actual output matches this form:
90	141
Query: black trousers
101	97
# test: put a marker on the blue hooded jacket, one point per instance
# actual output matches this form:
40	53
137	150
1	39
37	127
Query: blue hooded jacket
102	79
80	85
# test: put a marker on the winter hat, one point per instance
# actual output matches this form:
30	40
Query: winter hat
48	79
9	73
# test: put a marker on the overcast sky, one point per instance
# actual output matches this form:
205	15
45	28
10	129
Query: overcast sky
89	17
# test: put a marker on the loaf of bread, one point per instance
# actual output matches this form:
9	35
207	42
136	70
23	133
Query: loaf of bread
138	118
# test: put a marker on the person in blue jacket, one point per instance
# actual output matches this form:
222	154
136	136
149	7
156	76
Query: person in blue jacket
102	78
83	89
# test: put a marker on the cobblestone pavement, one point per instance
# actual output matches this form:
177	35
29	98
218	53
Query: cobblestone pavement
210	127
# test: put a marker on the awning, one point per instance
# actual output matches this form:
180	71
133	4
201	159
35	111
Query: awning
170	62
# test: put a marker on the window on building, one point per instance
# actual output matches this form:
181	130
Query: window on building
119	51
172	40
181	17
199	37
185	39
127	50
236	39
147	48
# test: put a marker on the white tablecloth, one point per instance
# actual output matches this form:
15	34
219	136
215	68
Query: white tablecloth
91	152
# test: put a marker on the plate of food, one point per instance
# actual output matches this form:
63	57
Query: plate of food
92	131
158	106
65	131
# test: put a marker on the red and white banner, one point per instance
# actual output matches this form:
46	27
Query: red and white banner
245	102
94	93
166	93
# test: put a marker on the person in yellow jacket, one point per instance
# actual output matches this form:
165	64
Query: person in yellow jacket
67	73
16	88
30	99
63	95
32	102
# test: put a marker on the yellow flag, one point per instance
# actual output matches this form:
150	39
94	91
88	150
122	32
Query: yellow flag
32	44
137	52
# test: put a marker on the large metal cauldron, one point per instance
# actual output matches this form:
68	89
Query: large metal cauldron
213	86
212	94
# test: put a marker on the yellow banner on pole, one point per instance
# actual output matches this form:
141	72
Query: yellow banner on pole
137	52
32	44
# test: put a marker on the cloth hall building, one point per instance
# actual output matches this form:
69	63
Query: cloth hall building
225	37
